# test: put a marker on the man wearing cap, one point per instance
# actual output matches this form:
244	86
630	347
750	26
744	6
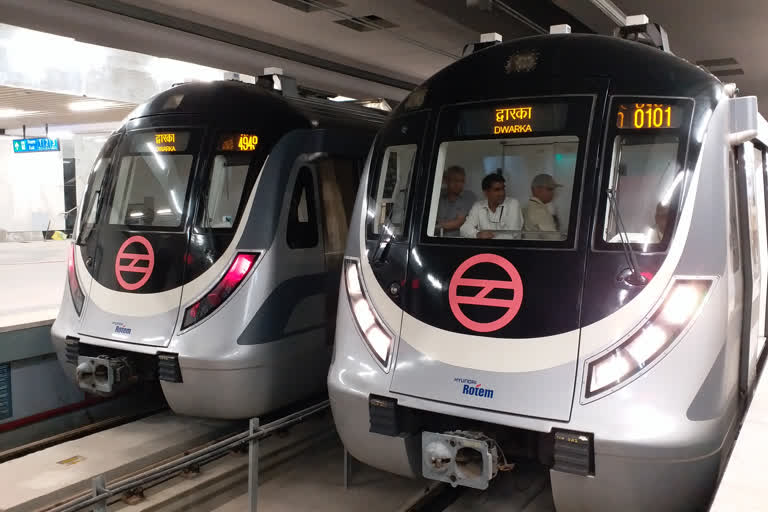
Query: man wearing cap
537	215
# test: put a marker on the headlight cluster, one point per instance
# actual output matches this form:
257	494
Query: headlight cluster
376	335
680	304
78	297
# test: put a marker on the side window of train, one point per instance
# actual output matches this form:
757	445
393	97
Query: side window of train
391	171
393	187
302	217
96	181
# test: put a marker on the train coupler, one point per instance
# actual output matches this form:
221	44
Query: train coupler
469	459
104	375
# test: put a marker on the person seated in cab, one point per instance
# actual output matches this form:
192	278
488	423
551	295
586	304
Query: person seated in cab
494	215
660	217
537	215
454	203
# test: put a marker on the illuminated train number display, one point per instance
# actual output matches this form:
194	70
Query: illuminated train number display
238	142
247	142
641	116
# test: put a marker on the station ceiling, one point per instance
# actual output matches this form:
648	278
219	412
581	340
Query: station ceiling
381	49
26	107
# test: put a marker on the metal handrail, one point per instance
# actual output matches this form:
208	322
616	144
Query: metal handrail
204	455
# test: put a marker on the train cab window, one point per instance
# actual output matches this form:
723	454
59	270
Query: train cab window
302	217
645	176
509	188
235	167
508	171
152	179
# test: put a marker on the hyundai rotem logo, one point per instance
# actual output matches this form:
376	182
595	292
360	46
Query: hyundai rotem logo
472	388
120	328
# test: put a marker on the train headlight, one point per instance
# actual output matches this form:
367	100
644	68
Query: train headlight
645	345
78	297
238	269
376	335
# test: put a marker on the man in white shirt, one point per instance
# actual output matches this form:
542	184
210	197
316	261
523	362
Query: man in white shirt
495	213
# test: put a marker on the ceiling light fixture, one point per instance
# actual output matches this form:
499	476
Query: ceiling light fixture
90	105
6	113
341	98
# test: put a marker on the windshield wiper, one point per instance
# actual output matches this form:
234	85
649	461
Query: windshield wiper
381	246
82	238
634	278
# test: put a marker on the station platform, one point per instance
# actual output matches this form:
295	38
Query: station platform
35	272
743	485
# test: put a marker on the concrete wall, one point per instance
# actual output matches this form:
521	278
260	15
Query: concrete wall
31	189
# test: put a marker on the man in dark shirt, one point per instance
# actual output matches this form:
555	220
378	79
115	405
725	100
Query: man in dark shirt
454	203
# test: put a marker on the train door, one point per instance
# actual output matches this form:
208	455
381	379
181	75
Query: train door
303	263
751	238
761	185
141	237
338	179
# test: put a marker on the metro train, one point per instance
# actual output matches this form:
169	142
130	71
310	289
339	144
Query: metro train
605	321
209	247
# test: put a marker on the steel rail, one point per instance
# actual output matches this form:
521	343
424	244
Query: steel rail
197	458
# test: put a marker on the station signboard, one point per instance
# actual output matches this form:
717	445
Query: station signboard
36	145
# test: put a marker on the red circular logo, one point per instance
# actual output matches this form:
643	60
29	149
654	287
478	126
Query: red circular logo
486	287
133	258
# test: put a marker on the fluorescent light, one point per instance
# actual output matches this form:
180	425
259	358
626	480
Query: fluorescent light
61	134
90	105
136	214
15	112
164	211
341	98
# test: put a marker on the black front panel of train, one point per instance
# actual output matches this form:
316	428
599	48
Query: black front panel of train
526	281
516	285
173	192
141	235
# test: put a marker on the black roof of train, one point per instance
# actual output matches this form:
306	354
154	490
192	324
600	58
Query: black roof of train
232	101
632	67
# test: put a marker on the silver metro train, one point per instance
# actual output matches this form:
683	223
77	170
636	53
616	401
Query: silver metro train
209	247
562	263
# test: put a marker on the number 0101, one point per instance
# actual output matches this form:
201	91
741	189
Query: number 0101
645	115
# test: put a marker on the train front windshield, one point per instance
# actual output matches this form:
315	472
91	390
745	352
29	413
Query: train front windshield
512	171
151	174
518	165
151	179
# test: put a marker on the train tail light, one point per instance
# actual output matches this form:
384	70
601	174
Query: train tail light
646	344
78	297
235	275
376	335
